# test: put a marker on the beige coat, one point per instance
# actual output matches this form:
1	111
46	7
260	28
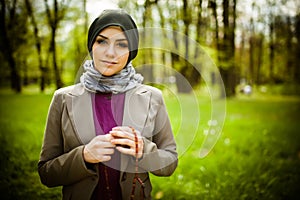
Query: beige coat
70	125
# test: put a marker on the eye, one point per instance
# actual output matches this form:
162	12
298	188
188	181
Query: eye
122	44
101	41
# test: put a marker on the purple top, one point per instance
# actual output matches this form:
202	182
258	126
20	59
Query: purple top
108	113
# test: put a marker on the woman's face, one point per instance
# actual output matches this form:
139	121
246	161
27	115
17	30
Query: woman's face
110	51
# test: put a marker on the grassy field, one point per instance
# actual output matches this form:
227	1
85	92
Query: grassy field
256	157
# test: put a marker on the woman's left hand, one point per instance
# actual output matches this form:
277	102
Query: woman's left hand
124	139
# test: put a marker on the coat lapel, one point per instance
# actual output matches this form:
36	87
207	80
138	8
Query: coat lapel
79	105
136	108
135	114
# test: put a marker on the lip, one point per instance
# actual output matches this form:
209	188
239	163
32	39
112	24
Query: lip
109	62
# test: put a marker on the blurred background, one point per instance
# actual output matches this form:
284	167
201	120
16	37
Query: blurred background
254	45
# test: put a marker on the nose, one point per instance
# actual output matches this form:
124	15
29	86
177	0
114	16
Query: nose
110	51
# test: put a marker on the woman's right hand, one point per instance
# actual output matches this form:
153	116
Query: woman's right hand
99	149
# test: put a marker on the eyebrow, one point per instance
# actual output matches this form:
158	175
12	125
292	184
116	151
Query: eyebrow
121	39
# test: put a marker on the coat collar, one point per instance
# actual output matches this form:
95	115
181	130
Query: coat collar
79	106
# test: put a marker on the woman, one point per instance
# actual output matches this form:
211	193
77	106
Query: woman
106	133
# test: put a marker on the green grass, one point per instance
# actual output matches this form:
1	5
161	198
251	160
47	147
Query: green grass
22	120
256	157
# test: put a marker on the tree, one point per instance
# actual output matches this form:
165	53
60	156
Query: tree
188	75
228	69
38	44
76	50
226	44
54	17
296	76
13	31
255	51
199	27
175	58
221	20
271	5
146	36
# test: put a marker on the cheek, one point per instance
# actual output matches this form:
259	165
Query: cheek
124	58
97	51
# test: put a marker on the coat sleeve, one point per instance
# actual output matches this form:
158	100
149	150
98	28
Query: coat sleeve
57	167
160	155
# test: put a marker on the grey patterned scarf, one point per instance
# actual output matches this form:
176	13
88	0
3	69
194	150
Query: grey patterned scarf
94	82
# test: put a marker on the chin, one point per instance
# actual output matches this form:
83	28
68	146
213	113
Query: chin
108	72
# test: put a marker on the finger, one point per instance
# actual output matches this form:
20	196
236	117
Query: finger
124	142
126	129
106	151
122	128
122	134
105	158
126	150
106	137
130	151
130	130
96	156
103	141
101	145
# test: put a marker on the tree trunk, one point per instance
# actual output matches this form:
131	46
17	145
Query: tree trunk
6	48
148	54
14	73
272	51
213	6
260	53
38	45
184	80
228	72
289	48
196	74
53	21
162	25
58	80
296	76
251	59
181	83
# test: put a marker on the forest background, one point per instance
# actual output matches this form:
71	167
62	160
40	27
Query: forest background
198	52
255	43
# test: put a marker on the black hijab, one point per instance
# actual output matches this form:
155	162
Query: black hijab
115	18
